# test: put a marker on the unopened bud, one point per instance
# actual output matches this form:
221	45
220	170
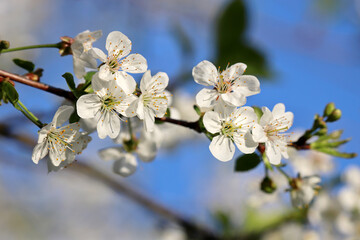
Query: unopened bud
334	116
4	44
268	185
319	122
330	107
65	45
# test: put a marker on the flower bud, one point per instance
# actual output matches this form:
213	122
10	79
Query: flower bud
330	107
334	116
267	185
4	44
65	45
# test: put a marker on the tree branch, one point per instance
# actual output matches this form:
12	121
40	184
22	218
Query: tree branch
192	125
57	91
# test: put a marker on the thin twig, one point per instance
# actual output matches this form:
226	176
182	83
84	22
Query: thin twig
192	125
57	91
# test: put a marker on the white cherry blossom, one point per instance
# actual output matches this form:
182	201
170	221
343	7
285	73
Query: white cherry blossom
81	48
230	87
145	148
107	101
234	128
61	143
118	63
154	100
304	190
270	131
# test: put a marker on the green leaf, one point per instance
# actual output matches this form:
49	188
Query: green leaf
9	92
334	152
247	162
69	80
232	43
197	110
258	112
74	117
27	65
88	77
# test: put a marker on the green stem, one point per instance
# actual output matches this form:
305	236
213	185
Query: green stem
53	45
284	173
21	107
130	129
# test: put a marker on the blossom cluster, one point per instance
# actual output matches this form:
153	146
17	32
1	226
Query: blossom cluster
118	107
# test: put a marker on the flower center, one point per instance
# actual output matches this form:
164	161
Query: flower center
228	128
149	98
108	102
223	86
114	62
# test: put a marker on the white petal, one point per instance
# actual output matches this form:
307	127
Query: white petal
273	153
140	109
278	110
266	117
79	67
108	125
118	44
245	143
244	116
126	165
62	115
205	73
149	120
222	148
40	151
234	98
258	133
148	146
248	85
105	73
88	105
99	54
212	122
206	98
128	106
146	81
159	82
125	81
113	153
223	108
234	71
134	63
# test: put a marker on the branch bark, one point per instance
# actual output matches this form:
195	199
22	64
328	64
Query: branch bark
57	91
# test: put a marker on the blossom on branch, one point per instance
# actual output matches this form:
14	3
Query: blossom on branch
83	56
233	128
270	131
105	104
303	190
61	143
154	99
118	63
230	87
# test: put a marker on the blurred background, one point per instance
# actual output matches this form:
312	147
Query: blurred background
305	54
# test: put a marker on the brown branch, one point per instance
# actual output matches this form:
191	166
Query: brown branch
57	91
192	125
